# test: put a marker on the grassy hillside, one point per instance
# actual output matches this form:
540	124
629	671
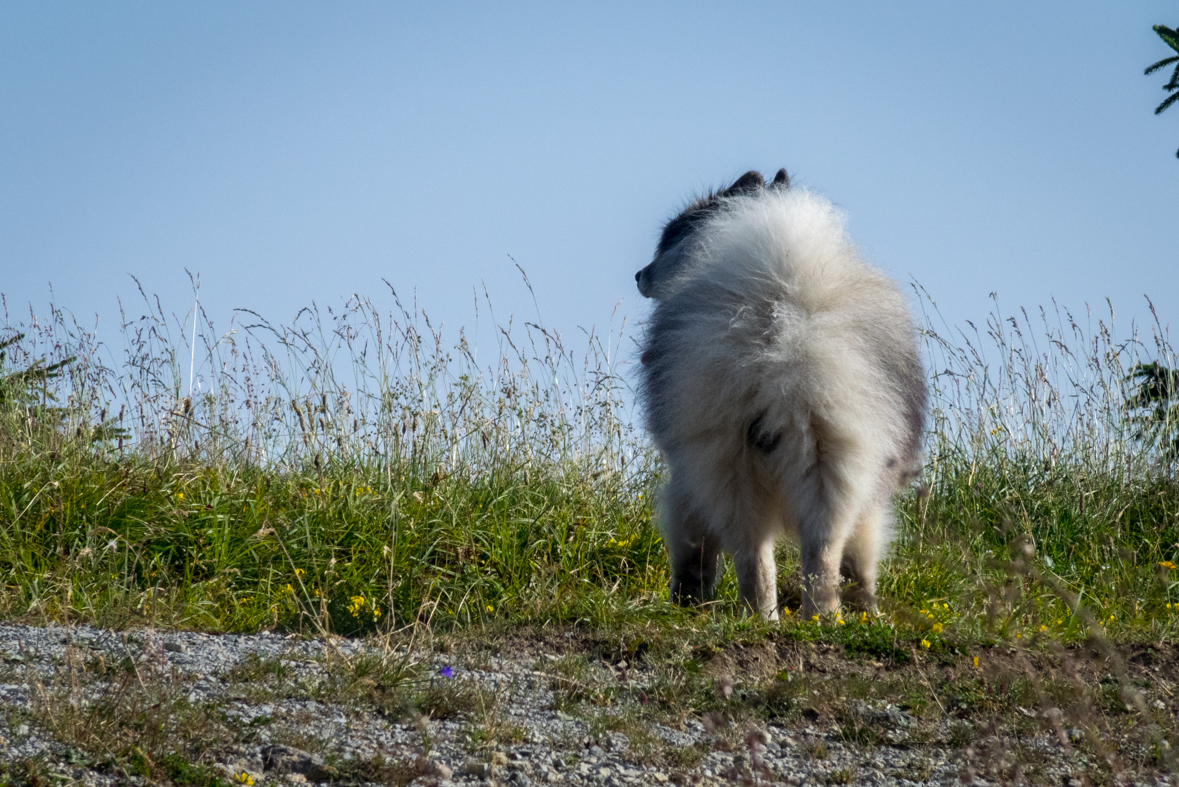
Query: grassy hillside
354	472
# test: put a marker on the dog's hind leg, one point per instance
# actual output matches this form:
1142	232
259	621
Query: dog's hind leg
693	551
861	555
757	577
821	550
820	499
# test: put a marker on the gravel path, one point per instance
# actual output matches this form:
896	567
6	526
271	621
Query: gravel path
266	708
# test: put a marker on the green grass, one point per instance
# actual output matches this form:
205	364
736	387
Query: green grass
121	540
352	473
243	549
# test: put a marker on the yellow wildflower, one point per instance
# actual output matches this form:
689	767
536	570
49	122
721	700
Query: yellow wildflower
1167	564
936	628
976	661
815	618
925	644
490	608
244	778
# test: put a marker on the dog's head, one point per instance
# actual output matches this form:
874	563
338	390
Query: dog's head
678	233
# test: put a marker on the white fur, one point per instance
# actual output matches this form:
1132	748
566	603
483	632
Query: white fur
767	321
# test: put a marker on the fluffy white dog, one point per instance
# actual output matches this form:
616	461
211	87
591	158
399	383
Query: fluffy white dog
782	382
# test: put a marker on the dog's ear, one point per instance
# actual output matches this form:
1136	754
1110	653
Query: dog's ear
746	184
781	180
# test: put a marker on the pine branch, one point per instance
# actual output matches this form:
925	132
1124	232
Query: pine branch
1171	99
1166	61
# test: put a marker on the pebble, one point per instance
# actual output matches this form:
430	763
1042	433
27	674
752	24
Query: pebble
294	736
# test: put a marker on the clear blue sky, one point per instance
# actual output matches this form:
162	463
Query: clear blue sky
296	152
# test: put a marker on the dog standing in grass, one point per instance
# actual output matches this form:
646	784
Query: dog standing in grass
782	382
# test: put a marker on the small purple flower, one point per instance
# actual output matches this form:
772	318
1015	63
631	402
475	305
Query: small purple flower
446	672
